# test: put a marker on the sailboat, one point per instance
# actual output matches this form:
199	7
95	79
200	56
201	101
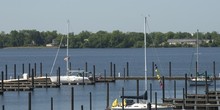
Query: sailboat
72	76
142	105
199	79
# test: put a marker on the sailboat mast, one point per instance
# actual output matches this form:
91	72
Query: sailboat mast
145	53
197	51
67	47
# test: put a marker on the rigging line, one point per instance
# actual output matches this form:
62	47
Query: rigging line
156	53
56	56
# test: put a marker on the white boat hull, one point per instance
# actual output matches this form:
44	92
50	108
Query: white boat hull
199	82
69	79
143	106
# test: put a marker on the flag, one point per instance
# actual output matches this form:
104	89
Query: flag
158	76
66	58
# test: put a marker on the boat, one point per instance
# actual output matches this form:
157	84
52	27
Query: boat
71	76
129	104
200	79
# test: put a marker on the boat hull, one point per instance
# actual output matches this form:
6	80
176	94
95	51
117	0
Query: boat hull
199	82
142	106
69	79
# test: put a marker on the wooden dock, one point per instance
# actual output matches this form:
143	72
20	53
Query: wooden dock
209	101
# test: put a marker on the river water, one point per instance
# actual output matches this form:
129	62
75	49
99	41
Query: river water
182	61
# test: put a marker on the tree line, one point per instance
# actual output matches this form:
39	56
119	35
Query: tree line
103	39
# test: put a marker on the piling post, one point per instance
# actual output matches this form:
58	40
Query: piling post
184	99
14	71
150	92
206	87
23	68
3	107
86	66
18	83
170	69
58	76
110	68
35	69
122	99
214	75
29	101
51	103
149	106
83	78
137	90
114	71
94	78
152	68
2	82
46	80
107	96
90	100
81	107
41	69
127	65
32	79
156	100
72	98
174	88
29	70
124	74
163	88
6	72
186	85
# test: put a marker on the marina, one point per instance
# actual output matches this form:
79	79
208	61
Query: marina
117	74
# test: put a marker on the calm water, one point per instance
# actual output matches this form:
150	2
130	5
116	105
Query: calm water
183	61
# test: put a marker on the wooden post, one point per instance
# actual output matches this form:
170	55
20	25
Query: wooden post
29	70
114	71
51	103
32	79
23	68
110	68
122	99
151	92
156	100
90	100
107	95
149	106
59	76
184	99
170	69
18	83
29	101
127	65
94	78
70	65
81	107
137	90
83	78
6	72
86	66
72	98
214	75
2	81
186	85
3	107
41	69
46	80
35	69
174	88
14	71
163	88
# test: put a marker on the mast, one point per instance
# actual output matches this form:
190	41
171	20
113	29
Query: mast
145	53
67	47
197	51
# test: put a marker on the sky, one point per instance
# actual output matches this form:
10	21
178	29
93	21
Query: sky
110	15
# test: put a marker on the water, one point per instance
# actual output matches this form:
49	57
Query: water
183	61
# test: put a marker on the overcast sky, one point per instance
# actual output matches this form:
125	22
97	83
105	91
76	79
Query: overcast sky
109	15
